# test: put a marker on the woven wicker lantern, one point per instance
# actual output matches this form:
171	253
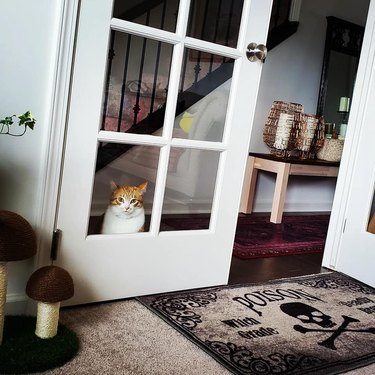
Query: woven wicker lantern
49	286
17	242
289	132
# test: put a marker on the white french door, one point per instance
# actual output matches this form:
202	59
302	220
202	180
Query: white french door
353	216
133	72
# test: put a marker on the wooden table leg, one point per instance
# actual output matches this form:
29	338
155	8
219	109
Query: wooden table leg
283	170
280	192
248	189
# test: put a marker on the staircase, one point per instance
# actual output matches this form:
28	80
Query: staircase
281	27
201	72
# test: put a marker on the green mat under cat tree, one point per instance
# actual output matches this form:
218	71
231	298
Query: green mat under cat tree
22	352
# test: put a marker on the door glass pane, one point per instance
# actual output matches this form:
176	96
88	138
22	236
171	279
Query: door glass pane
127	166
203	96
137	82
215	21
190	189
371	223
159	14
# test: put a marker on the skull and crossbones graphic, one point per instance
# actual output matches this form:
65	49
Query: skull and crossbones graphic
310	315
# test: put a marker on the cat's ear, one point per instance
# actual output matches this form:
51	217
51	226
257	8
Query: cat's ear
114	186
143	187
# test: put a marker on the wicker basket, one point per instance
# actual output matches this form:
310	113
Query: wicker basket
289	132
310	136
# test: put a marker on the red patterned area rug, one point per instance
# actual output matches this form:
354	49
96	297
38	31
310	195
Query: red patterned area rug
256	237
317	325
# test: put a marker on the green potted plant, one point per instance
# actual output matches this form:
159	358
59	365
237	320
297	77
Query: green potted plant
25	120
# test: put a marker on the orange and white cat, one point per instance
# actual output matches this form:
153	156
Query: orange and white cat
125	213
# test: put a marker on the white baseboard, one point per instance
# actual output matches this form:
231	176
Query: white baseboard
296	207
16	304
204	206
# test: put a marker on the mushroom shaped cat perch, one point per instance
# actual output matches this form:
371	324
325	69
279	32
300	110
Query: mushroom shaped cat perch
17	242
49	286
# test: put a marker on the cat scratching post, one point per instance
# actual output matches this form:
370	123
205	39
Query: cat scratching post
17	242
49	286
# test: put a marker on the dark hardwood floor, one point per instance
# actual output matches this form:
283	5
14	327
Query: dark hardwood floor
264	269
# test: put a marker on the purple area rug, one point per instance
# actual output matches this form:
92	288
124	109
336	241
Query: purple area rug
256	237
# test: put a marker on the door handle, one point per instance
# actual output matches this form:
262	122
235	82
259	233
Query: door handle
256	52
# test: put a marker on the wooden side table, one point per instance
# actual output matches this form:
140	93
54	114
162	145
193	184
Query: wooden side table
283	167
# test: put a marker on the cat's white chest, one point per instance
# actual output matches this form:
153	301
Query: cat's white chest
115	223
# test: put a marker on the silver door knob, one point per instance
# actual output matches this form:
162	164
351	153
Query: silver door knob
256	52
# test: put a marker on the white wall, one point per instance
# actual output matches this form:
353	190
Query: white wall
292	73
28	40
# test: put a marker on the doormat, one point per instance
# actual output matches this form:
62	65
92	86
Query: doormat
256	237
321	324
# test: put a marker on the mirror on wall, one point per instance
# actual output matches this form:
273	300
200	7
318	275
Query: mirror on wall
340	63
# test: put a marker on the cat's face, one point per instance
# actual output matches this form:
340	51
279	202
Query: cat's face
126	200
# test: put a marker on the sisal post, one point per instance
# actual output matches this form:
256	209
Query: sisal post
47	320
3	295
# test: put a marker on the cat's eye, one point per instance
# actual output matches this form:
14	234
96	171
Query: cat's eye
133	201
120	200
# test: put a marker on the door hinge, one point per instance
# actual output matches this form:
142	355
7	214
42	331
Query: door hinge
56	238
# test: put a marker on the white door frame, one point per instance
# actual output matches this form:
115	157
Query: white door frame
356	127
67	19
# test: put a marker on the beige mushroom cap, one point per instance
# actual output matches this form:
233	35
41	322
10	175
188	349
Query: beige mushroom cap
17	237
50	284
